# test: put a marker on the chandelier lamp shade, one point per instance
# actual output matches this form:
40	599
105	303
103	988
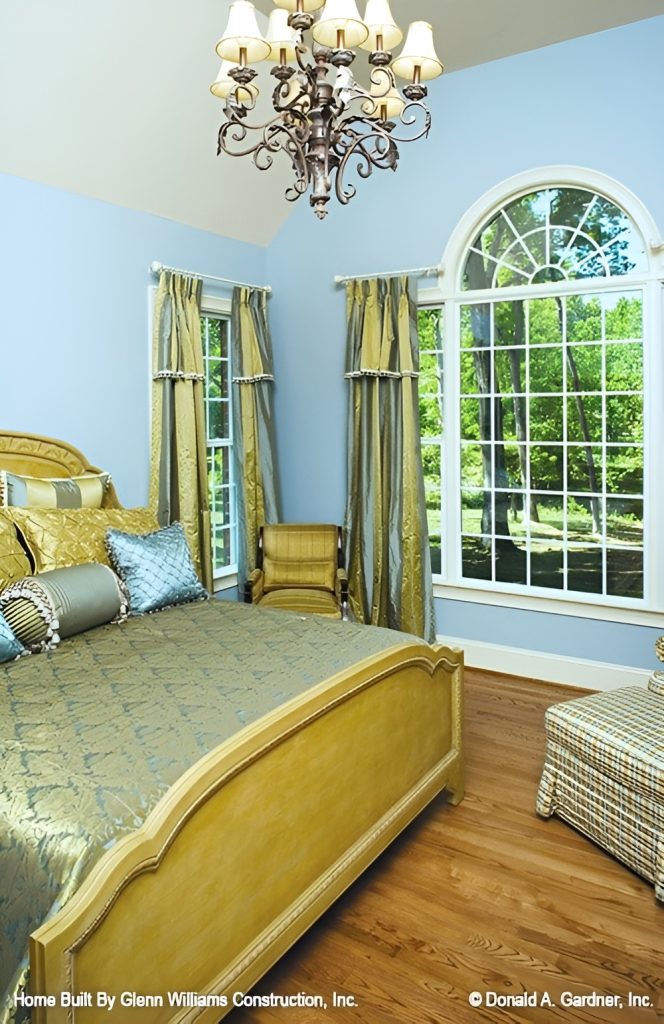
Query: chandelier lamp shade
322	118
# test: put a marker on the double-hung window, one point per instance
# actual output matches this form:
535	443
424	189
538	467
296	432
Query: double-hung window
536	363
215	334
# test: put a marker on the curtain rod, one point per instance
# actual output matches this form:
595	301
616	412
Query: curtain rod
156	267
414	272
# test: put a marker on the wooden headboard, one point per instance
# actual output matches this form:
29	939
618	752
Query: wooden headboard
34	455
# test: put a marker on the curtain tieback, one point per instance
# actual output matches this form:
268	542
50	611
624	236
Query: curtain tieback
177	375
381	373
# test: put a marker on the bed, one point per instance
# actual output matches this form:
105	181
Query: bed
256	763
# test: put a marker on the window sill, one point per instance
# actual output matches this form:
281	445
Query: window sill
549	605
225	581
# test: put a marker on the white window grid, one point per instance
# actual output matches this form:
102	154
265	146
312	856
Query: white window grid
451	348
223	511
526	491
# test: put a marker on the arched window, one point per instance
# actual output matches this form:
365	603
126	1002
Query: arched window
537	484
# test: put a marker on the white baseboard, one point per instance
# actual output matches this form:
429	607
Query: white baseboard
549	668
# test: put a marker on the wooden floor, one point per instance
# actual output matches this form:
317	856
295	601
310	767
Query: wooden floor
483	897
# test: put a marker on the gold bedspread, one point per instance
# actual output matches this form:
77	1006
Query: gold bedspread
93	734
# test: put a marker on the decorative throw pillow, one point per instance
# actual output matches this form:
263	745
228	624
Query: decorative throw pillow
14	564
157	569
59	537
86	491
43	609
10	647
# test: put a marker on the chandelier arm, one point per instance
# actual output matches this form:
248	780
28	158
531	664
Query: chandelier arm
300	52
294	149
374	149
238	133
412	110
236	113
292	107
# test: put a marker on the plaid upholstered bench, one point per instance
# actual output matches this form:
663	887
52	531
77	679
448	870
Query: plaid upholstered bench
604	773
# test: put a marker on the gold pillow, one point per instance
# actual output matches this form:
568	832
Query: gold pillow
14	562
58	537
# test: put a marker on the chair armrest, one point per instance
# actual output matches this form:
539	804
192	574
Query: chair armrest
341	590
253	590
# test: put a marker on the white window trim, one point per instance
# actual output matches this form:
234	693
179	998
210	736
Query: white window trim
448	293
224	579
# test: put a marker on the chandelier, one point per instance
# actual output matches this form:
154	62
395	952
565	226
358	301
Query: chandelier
322	118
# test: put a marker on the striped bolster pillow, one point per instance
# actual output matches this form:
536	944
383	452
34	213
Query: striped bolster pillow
42	609
86	491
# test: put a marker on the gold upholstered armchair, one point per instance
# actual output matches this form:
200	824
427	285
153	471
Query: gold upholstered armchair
300	569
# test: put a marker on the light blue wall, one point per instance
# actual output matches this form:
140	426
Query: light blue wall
74	332
590	102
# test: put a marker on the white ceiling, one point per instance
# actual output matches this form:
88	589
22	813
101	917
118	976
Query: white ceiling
111	100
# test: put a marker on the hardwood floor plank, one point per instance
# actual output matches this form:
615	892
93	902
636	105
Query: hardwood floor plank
483	897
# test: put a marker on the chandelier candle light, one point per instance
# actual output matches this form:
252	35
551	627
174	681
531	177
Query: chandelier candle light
322	117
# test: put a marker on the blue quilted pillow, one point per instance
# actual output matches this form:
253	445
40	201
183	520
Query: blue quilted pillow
156	568
10	647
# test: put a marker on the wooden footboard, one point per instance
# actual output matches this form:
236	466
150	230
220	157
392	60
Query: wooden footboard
253	843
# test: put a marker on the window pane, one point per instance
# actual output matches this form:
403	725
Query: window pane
546	516
546	370
545	419
431	420
546	467
214	379
545	322
476	558
430	329
511	562
624	367
476	513
584	418
218	417
585	569
470	419
584	318
624	521
476	465
510	371
469	384
510	323
624	417
624	569
585	469
624	317
546	565
584	519
222	547
624	470
214	337
584	368
476	326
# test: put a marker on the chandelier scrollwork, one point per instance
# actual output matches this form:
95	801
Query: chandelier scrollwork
322	119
